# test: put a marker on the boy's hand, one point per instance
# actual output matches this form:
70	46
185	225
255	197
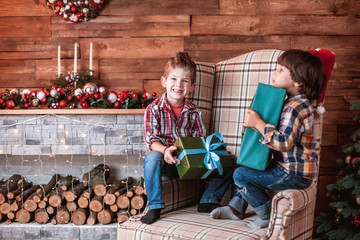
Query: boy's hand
253	120
168	156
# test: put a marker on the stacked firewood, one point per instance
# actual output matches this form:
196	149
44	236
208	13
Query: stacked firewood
66	199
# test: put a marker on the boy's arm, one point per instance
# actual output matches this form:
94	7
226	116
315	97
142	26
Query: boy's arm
167	151
253	120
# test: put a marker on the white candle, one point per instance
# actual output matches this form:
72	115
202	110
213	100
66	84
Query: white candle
59	63
90	57
75	58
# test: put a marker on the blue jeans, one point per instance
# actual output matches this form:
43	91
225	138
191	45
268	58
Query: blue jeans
251	185
155	166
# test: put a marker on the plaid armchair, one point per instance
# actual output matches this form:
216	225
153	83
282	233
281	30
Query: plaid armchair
223	92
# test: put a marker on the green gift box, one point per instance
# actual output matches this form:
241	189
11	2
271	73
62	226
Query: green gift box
202	158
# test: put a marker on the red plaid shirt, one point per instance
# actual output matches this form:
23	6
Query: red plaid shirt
162	126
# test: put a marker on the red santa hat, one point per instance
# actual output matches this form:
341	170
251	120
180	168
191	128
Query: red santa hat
328	60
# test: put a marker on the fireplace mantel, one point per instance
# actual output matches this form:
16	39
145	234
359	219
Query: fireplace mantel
67	111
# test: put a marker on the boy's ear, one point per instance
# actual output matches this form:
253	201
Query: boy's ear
192	87
297	84
163	81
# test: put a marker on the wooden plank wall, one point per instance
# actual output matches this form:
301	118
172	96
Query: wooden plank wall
133	39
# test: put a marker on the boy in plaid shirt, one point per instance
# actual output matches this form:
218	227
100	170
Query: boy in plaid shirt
167	118
302	75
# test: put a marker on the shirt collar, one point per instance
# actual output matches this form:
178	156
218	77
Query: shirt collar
166	105
296	96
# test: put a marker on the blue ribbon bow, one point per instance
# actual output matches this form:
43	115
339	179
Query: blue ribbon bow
211	159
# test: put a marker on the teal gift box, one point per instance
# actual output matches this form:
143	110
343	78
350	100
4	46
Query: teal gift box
202	158
267	102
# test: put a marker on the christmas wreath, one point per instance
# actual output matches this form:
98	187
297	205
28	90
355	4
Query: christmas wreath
76	90
76	11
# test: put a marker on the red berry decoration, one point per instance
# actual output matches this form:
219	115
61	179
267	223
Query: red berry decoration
69	98
116	105
63	103
96	96
135	95
80	15
26	100
2	101
43	100
26	105
10	104
73	9
84	105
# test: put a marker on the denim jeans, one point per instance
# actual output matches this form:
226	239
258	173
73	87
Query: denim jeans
251	185
155	167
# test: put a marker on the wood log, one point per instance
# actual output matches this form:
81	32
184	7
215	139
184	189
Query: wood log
71	206
30	204
133	211
101	171
50	210
83	202
1	217
16	205
24	216
106	216
130	194
42	204
96	203
121	191
10	215
46	189
53	220
110	197
114	208
138	202
10	185
21	187
26	193
92	218
122	216
97	179
56	196
80	216
123	202
74	193
62	215
41	216
138	190
8	221
5	207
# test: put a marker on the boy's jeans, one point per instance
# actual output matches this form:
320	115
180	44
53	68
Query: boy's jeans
155	167
251	185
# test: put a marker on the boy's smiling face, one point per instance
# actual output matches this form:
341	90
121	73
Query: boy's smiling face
282	79
178	84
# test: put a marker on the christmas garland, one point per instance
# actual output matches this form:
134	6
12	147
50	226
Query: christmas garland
76	90
76	11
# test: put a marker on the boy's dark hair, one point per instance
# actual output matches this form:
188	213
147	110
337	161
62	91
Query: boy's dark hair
182	60
307	69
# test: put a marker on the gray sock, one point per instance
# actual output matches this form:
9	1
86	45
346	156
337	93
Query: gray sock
259	224
223	213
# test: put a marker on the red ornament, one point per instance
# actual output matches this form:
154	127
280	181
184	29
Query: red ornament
73	9
60	3
78	97
84	105
154	94
63	103
69	98
47	93
10	104
54	87
26	105
357	222
135	95
96	96
2	101
80	15
26	100
116	105
43	100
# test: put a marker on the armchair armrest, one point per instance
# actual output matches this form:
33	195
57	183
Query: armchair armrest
292	213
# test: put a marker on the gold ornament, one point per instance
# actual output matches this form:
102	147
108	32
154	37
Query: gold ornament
90	88
35	102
